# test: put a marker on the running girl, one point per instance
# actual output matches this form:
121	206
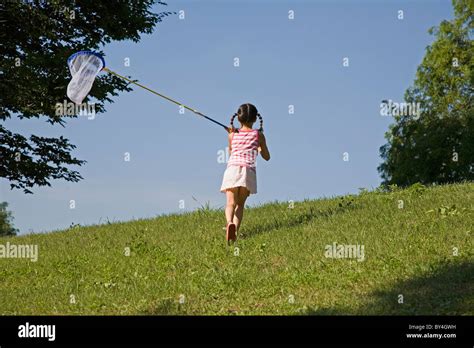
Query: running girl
240	177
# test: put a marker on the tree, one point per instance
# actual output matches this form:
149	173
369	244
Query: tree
6	225
437	145
38	37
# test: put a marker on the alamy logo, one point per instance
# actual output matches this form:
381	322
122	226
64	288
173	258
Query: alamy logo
249	156
37	331
391	108
21	251
345	251
71	109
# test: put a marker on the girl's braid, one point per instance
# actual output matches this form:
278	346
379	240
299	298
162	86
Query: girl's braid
261	122
232	120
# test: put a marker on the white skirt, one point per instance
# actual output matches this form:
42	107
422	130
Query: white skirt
235	176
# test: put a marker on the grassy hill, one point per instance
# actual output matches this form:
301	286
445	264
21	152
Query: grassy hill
417	243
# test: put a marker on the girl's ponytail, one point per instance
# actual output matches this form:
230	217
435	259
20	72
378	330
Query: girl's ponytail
232	121
261	122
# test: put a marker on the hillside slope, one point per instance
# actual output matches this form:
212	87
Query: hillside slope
417	244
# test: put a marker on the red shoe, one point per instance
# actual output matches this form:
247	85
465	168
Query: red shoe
230	233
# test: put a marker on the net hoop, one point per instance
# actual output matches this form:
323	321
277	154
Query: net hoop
79	53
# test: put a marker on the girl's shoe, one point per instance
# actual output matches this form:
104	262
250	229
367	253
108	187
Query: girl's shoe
230	232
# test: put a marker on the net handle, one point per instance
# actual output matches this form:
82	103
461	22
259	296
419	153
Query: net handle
166	97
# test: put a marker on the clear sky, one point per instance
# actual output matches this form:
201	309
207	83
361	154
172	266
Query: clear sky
283	62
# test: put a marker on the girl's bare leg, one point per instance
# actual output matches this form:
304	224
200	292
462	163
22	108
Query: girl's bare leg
241	197
231	204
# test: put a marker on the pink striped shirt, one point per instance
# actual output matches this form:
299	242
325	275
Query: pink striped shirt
244	148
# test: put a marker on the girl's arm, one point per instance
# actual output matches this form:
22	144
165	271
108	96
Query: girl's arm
231	134
262	147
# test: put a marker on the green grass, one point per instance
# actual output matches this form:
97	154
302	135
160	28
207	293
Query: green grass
281	257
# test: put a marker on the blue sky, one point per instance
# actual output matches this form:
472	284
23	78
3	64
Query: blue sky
283	62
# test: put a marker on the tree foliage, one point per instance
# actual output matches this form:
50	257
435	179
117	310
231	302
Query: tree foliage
6	224
438	145
38	37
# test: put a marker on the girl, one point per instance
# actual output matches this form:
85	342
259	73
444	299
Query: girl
240	177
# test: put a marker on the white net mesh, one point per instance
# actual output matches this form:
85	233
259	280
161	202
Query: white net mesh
84	67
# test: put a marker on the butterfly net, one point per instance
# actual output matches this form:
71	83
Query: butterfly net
84	67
